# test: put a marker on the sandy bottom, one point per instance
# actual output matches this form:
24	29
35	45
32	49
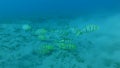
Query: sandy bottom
99	49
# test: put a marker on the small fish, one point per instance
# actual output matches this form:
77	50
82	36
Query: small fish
90	28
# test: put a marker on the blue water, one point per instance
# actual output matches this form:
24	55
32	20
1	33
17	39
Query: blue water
59	34
53	8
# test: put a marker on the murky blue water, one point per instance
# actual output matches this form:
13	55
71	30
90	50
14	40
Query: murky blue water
59	34
52	8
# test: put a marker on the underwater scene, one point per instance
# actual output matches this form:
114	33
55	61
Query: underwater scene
59	34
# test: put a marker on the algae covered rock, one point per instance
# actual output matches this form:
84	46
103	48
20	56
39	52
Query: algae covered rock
41	31
26	27
42	37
